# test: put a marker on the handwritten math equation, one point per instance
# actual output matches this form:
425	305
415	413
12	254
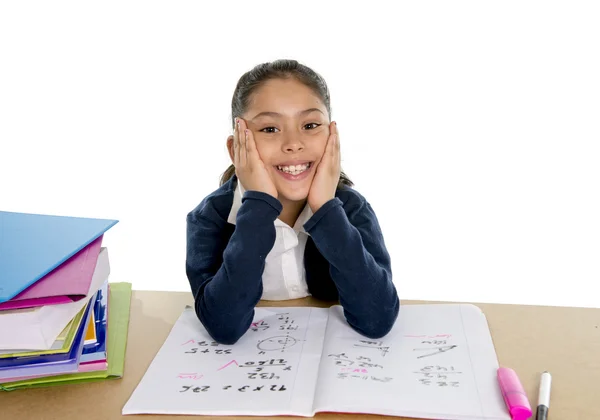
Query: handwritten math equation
244	388
362	366
274	335
286	324
283	340
256	371
433	345
205	347
440	375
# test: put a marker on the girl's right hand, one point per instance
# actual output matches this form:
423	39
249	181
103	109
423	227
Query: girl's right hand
249	168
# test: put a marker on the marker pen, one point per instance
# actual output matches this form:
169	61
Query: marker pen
544	397
514	395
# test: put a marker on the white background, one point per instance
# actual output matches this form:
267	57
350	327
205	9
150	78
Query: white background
471	127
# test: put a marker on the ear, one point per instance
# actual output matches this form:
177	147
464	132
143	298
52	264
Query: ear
230	148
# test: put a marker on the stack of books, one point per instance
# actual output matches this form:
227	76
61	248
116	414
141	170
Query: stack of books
61	320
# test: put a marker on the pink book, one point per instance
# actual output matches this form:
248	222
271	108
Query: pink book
69	282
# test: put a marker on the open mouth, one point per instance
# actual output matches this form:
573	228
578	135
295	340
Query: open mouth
294	169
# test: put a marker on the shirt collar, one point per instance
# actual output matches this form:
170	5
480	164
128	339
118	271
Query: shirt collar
237	202
304	216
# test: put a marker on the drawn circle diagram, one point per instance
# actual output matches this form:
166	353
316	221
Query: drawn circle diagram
279	342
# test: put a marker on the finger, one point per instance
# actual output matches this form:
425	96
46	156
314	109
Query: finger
317	163
337	137
326	152
329	147
333	128
253	154
236	145
336	143
244	142
251	145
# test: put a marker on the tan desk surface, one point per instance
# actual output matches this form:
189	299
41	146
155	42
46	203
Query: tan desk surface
530	339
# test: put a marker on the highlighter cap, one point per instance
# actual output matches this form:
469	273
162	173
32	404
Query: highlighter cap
514	395
520	413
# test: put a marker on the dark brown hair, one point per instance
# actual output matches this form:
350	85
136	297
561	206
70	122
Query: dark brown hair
279	69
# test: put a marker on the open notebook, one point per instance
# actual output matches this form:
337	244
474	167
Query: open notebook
437	362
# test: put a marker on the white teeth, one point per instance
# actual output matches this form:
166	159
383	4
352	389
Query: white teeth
294	169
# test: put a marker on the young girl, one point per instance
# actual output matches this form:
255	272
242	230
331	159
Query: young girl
285	222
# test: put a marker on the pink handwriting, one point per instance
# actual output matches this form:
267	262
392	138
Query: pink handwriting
224	366
190	376
354	370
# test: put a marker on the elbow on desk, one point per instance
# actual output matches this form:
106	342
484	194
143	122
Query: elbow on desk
377	325
222	331
222	337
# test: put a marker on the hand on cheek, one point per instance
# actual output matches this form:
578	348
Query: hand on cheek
249	168
327	172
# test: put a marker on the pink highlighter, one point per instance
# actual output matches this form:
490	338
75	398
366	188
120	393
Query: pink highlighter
514	395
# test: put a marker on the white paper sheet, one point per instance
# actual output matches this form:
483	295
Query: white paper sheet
271	370
437	362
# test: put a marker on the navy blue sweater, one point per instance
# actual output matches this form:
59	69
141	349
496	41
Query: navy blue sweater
345	260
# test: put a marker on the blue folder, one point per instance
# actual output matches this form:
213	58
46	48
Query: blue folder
97	351
32	245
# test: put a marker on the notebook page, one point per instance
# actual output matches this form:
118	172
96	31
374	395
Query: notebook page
437	362
271	370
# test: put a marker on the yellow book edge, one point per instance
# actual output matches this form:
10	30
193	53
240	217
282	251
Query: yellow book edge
90	333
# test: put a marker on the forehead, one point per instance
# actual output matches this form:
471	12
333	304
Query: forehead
284	96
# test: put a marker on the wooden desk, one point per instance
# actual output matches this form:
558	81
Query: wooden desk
530	339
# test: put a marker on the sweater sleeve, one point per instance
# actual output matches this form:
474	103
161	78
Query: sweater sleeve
360	264
226	279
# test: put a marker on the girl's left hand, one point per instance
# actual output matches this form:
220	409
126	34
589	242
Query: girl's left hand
327	172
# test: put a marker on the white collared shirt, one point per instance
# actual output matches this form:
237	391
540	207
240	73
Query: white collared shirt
284	276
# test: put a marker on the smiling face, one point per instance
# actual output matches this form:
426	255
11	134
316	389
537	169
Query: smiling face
290	125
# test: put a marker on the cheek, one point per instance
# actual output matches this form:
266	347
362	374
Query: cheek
264	151
322	143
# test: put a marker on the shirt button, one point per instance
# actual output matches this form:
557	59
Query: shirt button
295	288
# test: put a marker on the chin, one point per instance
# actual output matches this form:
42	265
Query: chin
294	195
293	190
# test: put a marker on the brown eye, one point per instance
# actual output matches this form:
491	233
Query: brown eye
268	128
317	125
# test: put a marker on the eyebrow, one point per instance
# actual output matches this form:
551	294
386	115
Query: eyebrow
276	114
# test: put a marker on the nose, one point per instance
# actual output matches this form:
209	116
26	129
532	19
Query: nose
292	144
